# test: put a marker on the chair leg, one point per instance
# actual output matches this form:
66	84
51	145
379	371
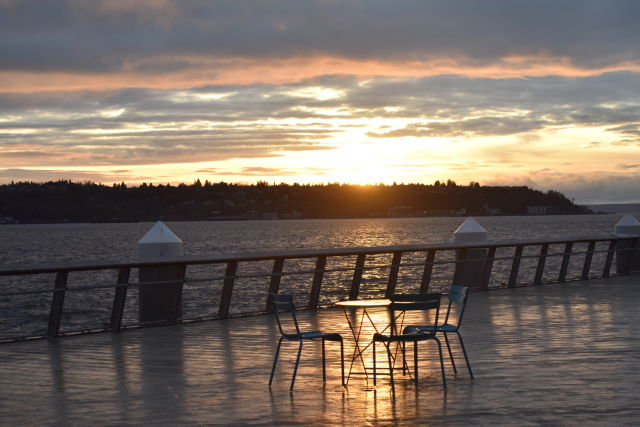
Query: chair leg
375	376
404	359
275	360
324	364
464	351
389	357
415	361
295	369
342	361
444	380
453	363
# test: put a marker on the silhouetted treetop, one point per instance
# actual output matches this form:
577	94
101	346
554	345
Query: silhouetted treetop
67	201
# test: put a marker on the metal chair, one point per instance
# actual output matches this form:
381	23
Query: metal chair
403	303
284	304
457	297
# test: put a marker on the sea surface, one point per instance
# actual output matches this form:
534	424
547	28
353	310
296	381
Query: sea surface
39	243
84	309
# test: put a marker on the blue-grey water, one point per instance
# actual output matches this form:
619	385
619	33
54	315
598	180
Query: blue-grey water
53	242
22	315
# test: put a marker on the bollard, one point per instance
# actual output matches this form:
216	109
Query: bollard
160	303
627	258
470	272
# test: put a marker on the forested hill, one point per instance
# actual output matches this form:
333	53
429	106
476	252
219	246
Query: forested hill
66	201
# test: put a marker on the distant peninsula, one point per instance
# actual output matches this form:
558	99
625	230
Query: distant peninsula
67	201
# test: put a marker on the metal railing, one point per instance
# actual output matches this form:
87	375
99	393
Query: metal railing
411	268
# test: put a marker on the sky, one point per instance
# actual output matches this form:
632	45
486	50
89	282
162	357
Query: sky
501	92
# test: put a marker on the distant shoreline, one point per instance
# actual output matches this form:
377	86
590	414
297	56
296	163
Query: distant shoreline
616	208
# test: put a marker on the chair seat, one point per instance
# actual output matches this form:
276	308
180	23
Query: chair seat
332	337
412	329
313	335
409	337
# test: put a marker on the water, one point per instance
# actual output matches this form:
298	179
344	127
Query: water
28	314
55	242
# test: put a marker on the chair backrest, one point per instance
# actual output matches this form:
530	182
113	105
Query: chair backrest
409	302
284	304
457	297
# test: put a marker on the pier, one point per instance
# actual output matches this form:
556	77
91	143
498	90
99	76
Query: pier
558	354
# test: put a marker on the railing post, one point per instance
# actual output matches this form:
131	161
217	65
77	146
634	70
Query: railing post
393	274
119	298
542	259
587	261
515	266
276	277
630	261
357	277
627	255
426	273
57	303
488	266
314	296
565	261
606	271
227	289
460	260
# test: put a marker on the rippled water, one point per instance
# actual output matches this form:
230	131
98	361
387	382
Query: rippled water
49	242
28	314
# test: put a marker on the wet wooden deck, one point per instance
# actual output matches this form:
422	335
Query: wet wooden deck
556	354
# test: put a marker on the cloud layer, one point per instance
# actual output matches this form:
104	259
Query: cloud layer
503	92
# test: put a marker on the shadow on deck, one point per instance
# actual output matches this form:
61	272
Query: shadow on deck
554	354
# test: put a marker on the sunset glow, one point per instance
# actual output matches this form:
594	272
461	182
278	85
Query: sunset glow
316	92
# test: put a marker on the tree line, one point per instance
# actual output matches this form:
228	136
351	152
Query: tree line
67	201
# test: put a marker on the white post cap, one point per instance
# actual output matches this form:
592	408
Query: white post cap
160	241
628	225
470	231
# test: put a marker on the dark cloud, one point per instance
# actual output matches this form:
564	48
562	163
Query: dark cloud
144	36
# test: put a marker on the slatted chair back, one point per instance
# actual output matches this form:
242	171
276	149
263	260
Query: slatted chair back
284	304
457	297
411	302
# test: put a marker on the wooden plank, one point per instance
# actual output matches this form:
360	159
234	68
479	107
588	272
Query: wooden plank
314	295
515	266
542	260
57	303
565	262
587	261
227	289
428	270
119	298
357	277
393	274
488	267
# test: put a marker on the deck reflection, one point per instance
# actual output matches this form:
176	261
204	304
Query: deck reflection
557	354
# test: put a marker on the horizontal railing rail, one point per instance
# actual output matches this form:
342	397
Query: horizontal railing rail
471	264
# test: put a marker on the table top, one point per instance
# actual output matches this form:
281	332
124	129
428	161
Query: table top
381	302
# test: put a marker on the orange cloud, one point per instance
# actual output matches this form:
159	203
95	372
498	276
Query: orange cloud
199	71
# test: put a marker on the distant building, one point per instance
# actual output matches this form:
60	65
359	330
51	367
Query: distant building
252	214
487	210
542	210
269	215
401	212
